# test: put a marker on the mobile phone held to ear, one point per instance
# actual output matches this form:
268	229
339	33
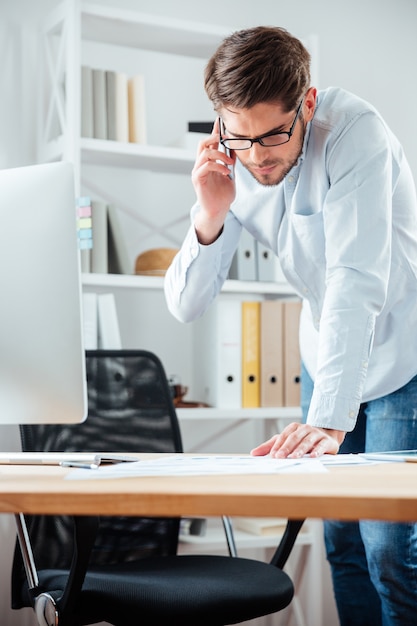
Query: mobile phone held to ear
223	148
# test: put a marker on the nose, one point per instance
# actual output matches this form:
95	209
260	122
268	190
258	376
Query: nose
258	153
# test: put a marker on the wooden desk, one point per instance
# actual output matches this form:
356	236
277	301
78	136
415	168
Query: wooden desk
383	491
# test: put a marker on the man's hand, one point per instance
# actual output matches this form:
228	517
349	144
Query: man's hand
215	190
296	440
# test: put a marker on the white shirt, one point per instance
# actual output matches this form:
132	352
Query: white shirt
344	225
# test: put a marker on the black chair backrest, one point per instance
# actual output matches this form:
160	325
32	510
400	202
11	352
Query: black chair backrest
130	409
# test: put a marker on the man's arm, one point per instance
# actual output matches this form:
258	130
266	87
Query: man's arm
199	270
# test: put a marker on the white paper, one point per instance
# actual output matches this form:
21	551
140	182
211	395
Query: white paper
197	465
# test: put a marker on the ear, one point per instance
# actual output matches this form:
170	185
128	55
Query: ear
309	103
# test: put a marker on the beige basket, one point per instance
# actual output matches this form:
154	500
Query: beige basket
154	262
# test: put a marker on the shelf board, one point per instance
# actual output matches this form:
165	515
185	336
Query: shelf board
289	413
215	538
258	287
127	281
149	32
215	541
137	156
123	281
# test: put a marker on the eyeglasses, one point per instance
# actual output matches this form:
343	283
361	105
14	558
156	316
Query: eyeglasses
268	140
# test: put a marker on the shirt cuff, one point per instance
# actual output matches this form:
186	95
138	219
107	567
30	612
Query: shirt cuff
333	412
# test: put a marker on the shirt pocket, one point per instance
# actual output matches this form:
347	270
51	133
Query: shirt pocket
304	261
308	241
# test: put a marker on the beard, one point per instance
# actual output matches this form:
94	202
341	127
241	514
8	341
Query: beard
281	167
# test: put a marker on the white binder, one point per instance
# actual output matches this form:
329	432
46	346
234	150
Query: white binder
244	264
219	355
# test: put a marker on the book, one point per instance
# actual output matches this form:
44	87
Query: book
90	325
117	106
85	260
118	257
265	526
99	104
250	354
99	252
87	124
218	351
272	353
244	263
108	324
137	109
292	358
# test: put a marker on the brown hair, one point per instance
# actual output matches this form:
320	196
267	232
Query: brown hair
260	64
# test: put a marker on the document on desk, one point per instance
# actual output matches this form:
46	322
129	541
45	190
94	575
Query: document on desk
198	465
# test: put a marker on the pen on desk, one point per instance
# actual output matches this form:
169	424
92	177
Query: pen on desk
78	465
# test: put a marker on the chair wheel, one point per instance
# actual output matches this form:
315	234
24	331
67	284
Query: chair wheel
46	610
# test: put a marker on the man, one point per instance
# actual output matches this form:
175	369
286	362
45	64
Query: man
321	180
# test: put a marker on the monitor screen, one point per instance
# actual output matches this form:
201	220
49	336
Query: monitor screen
42	363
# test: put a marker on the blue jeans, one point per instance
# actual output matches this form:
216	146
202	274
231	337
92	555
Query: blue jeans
374	564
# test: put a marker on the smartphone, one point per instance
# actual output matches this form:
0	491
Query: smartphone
222	148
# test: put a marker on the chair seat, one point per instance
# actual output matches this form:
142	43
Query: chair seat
178	590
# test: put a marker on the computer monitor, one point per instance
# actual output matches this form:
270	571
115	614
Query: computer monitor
42	362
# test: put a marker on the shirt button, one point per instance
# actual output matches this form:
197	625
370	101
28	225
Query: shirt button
290	179
351	414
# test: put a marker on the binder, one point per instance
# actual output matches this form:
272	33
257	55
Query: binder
250	354
218	354
99	252
278	273
244	264
265	262
272	353
118	254
292	357
90	326
108	323
268	265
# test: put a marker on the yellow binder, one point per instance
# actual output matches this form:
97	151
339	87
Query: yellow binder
250	354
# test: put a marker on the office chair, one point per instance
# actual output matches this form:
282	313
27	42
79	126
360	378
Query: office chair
79	570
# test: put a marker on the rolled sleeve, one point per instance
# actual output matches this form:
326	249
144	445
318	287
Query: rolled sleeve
197	273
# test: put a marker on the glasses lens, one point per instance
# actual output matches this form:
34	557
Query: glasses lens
237	144
275	140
